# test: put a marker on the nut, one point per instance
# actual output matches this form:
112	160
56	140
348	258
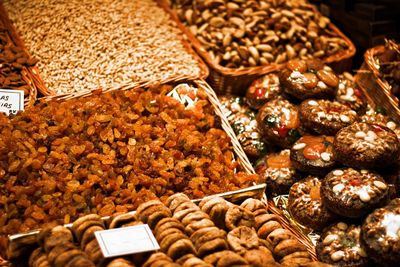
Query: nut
329	239
264	47
337	255
243	52
254	53
232	6
237	21
217	22
227	39
284	29
189	16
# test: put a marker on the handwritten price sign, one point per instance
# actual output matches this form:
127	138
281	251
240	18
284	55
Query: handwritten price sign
11	101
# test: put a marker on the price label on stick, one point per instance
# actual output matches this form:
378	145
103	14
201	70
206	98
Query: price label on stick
126	240
11	101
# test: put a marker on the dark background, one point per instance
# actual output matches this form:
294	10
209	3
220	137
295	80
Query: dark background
366	22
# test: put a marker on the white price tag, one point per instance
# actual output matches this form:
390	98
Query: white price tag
126	240
11	101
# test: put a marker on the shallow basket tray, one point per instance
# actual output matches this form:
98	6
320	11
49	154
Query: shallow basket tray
234	81
38	82
19	243
26	72
378	90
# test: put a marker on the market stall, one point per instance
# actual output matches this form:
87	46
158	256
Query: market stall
194	133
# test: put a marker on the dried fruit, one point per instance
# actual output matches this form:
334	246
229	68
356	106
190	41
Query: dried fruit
65	171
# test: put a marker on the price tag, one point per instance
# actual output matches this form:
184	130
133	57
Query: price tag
126	240
11	101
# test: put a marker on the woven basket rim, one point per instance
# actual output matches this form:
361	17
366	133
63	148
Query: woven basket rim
240	154
298	234
34	73
369	65
259	70
27	76
369	59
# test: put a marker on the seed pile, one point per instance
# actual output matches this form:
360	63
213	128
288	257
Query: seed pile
85	45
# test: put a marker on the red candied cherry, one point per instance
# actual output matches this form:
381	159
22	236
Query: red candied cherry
355	182
358	92
283	130
334	109
376	128
260	92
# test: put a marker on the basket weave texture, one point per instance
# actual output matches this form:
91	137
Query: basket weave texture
377	90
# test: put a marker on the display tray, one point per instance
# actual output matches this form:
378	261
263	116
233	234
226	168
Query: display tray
19	244
39	80
377	90
18	241
232	80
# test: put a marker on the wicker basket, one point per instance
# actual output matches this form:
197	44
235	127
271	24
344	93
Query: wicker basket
26	73
235	81
34	73
377	90
240	156
245	164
